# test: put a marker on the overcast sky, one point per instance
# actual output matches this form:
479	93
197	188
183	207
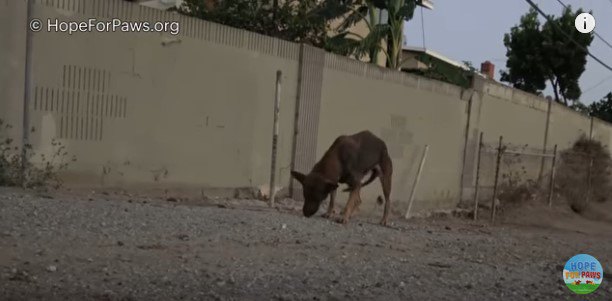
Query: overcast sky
473	30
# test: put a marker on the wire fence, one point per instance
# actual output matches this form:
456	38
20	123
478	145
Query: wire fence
508	173
583	176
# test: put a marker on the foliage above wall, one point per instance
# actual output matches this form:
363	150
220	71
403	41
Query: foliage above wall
602	109
301	21
539	53
309	22
383	36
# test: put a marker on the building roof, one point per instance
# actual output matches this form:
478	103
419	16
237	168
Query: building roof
436	55
427	4
160	4
440	57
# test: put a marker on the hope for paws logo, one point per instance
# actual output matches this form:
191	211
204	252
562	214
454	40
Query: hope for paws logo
583	274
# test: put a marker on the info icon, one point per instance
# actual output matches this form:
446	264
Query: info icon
585	23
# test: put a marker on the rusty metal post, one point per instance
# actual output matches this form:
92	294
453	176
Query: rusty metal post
27	95
416	181
546	133
552	177
477	185
497	166
272	186
588	189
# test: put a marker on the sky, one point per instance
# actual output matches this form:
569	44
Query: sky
473	30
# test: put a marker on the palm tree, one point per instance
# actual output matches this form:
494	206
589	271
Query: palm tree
351	43
398	11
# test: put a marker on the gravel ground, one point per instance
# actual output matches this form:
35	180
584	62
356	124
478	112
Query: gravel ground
108	248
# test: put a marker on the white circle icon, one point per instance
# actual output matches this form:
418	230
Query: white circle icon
585	23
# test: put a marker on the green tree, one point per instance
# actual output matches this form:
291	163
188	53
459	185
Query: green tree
580	107
398	11
602	109
539	53
564	59
525	63
301	21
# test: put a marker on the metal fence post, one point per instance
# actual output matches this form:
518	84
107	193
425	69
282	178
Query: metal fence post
497	164
546	130
416	181
27	95
589	172
275	138
552	177
477	185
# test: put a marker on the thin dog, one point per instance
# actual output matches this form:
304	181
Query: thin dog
347	161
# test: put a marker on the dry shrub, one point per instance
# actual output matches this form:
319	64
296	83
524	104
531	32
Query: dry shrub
583	174
519	193
516	186
15	172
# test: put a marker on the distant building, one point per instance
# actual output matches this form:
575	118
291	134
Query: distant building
159	4
429	63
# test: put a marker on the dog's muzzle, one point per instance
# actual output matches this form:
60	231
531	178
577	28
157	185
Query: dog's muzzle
309	210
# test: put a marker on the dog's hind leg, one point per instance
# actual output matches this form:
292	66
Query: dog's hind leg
357	204
385	180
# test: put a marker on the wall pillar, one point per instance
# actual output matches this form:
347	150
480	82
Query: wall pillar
12	66
308	108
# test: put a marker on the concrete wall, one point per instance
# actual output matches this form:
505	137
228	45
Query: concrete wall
519	117
566	126
149	108
195	110
602	131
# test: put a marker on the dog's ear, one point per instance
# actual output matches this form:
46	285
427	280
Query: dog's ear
298	176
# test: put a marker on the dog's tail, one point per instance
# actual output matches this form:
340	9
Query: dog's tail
373	175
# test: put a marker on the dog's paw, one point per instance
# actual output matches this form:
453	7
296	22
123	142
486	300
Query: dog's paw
342	220
383	222
328	215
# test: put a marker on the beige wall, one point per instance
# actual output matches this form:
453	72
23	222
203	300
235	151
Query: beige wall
520	118
602	131
130	107
517	116
566	126
195	110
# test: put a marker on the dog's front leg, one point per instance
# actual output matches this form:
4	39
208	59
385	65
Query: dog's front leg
350	204
330	207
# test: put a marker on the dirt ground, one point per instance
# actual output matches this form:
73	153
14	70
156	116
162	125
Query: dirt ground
68	246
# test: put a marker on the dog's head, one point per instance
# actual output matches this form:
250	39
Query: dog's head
315	188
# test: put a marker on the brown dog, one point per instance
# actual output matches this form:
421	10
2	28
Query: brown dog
347	161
